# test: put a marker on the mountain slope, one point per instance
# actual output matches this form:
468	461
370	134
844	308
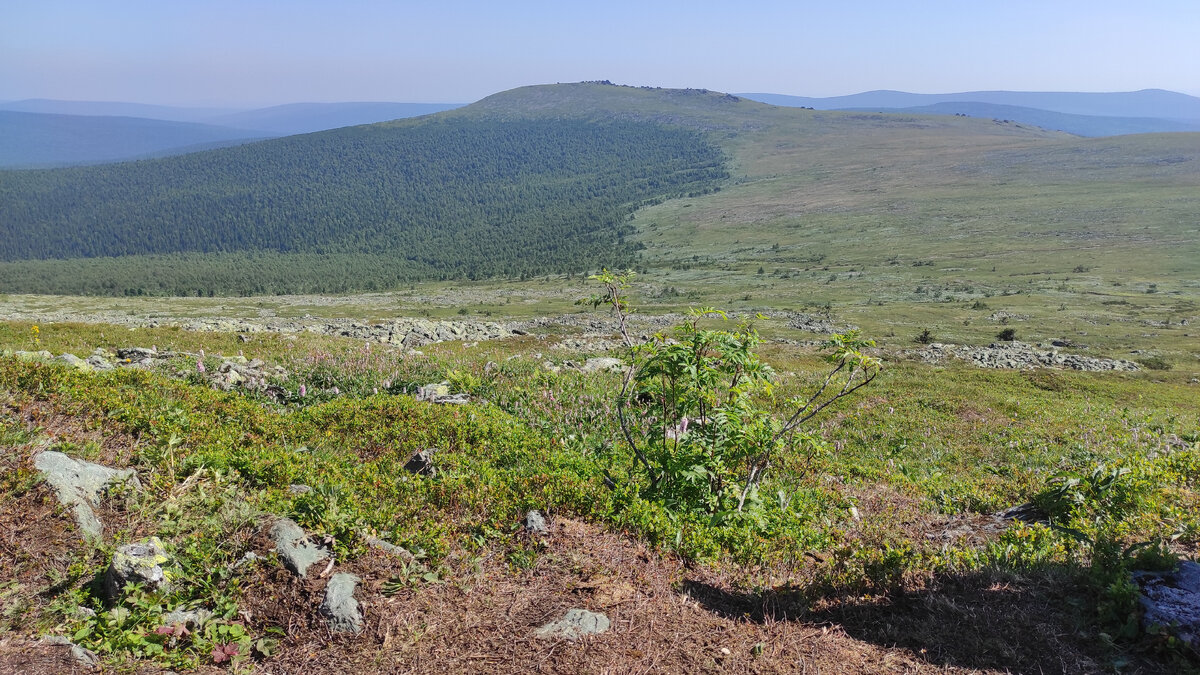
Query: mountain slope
46	140
424	198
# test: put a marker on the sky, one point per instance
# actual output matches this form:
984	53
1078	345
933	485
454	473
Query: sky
251	53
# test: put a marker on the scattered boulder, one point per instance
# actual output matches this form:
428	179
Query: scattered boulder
340	608
421	463
73	361
602	363
297	552
99	362
1172	600
140	562
535	523
299	489
440	393
80	485
41	355
575	624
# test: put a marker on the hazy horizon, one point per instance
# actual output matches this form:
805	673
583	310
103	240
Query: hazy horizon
250	54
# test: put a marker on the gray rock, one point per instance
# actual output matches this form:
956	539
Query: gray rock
295	549
1172	599
299	489
340	608
602	363
42	355
577	623
421	463
390	548
136	354
192	619
535	523
98	362
73	361
85	657
80	485
440	393
141	562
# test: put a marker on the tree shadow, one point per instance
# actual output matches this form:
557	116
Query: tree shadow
1037	623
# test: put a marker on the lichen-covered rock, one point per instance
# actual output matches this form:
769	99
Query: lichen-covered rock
535	523
602	363
575	624
73	361
1172	599
339	607
80	486
297	552
141	562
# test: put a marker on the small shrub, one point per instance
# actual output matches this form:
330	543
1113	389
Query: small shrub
1007	335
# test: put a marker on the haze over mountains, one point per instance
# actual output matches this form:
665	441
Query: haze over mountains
1080	113
52	133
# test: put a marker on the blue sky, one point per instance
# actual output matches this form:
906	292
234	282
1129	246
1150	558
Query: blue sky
254	53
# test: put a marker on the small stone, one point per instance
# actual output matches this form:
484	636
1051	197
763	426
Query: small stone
340	608
390	548
576	623
535	523
294	548
421	463
140	562
299	489
188	618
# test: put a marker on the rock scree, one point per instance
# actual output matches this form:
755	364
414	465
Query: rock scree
1019	356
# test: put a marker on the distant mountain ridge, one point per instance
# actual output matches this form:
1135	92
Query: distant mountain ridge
1117	113
43	133
42	140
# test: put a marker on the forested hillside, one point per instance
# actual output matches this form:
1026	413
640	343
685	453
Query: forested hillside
435	198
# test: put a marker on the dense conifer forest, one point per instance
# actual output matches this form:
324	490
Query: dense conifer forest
358	208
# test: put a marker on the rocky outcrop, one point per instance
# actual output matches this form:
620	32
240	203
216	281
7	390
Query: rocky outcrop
80	485
1020	356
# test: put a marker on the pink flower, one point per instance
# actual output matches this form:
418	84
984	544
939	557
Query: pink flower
199	366
303	391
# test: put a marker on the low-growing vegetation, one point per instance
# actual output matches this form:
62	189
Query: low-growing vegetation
694	453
